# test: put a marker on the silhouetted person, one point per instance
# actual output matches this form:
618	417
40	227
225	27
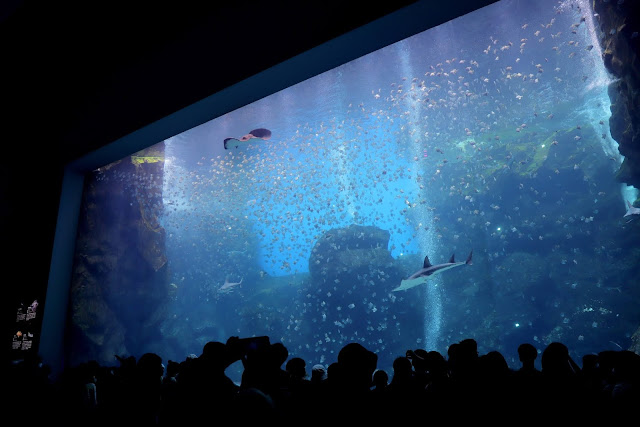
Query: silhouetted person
527	354
591	368
380	390
527	381
170	410
121	397
318	374
318	381
205	389
334	378
420	367
438	390
624	380
380	381
327	392
279	355
562	393
403	391
147	388
318	387
257	366
463	371
263	371
298	393
355	370
296	367
495	388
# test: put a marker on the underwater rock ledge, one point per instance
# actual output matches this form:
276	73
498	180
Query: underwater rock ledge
620	24
120	287
349	249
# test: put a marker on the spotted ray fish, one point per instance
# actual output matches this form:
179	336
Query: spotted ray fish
421	276
259	133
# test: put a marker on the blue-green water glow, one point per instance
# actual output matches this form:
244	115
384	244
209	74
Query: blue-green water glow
489	132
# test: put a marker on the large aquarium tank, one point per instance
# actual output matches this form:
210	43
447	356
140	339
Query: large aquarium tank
304	216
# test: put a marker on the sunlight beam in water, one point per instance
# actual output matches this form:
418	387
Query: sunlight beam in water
421	215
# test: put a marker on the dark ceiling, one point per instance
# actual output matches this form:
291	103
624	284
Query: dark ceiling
77	75
85	73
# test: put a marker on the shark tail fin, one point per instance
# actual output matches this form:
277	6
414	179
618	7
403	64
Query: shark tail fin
469	260
630	210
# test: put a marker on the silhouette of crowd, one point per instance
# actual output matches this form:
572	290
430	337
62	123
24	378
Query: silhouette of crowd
422	386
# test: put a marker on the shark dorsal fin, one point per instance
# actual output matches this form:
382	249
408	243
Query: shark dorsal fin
452	259
426	264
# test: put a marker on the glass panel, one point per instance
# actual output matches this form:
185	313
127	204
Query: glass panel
486	134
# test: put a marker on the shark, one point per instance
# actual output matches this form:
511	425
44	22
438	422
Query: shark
421	276
631	211
228	286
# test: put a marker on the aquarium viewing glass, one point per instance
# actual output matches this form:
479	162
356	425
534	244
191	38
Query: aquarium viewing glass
488	133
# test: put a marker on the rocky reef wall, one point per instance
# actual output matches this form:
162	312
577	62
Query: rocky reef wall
620	23
349	299
119	287
620	26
